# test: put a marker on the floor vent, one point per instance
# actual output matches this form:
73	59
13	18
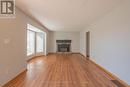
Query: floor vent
118	83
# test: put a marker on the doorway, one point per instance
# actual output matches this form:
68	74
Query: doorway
88	44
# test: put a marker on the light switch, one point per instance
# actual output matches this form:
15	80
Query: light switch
6	41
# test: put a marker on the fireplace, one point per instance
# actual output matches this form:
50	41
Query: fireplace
63	45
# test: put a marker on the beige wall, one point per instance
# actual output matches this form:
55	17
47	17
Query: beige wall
110	41
13	45
61	35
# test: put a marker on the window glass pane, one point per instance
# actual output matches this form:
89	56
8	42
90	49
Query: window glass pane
30	42
39	42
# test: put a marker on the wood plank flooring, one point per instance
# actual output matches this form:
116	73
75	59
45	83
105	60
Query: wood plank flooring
62	70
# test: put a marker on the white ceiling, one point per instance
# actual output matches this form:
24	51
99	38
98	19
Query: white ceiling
66	15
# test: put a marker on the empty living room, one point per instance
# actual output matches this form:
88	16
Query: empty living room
64	43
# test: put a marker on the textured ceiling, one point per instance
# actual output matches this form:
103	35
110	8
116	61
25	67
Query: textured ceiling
66	15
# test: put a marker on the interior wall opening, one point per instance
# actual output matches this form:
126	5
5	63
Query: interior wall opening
88	44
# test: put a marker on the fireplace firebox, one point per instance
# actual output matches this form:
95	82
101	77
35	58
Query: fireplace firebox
63	45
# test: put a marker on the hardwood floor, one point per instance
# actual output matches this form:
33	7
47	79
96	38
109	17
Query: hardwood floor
62	70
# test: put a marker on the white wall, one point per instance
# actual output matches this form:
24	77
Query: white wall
12	47
110	41
63	35
13	44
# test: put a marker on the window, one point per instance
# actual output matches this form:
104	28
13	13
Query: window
30	42
39	42
36	41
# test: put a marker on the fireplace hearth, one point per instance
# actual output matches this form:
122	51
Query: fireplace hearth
63	45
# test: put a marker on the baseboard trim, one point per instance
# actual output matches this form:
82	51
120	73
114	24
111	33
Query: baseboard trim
63	53
110	74
5	85
82	55
107	72
34	57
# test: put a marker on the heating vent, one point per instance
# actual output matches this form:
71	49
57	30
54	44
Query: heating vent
118	83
